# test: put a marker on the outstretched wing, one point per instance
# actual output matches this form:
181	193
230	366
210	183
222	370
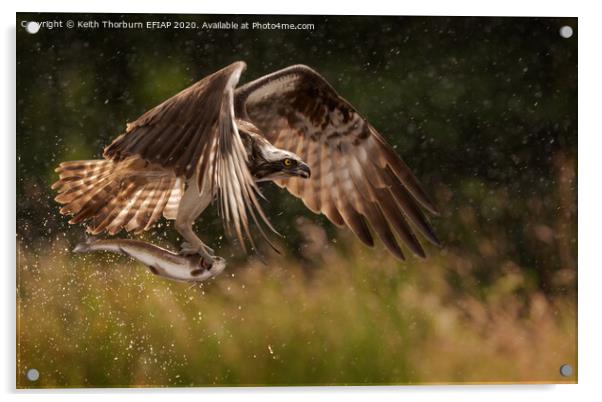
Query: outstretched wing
357	179
194	132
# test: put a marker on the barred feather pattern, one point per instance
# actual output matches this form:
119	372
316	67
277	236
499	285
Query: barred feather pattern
357	179
236	187
110	196
194	133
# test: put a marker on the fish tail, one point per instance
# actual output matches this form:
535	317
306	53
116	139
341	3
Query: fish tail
86	246
81	248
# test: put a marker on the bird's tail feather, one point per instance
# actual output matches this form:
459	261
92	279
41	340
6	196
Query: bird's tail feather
111	196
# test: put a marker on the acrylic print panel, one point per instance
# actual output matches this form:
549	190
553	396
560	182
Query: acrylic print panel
420	173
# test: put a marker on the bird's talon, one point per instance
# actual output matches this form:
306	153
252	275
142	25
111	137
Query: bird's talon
188	248
188	251
206	264
207	256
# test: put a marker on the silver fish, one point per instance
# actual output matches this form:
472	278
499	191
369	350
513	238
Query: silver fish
160	261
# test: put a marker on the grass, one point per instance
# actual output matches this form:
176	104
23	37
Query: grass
358	317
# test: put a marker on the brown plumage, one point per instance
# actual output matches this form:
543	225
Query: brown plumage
357	179
111	196
214	141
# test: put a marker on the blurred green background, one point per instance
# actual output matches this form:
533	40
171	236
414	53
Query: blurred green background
484	110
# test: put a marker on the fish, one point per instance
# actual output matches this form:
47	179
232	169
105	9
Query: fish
160	261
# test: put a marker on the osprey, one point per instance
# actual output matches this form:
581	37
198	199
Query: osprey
213	141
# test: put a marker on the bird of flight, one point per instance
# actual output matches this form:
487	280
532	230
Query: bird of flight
214	141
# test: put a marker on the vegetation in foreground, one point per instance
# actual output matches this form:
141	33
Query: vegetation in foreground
362	318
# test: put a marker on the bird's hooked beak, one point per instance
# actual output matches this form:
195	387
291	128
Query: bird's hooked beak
302	170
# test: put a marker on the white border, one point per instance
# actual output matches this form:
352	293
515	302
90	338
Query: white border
552	8
590	171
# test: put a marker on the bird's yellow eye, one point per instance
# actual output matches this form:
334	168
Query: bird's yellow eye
288	162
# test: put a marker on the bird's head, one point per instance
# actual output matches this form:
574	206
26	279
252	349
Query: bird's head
269	163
